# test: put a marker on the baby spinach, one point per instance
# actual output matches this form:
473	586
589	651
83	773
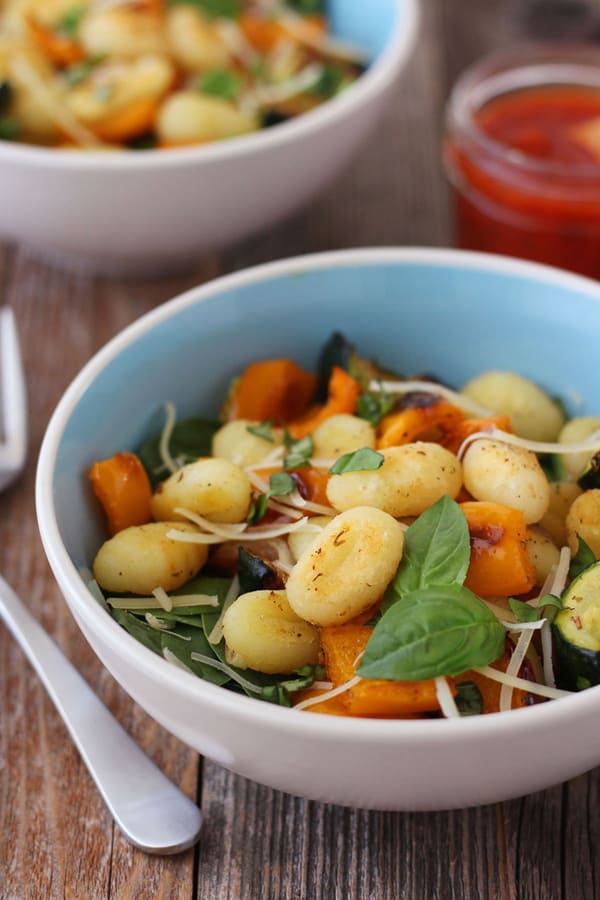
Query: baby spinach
437	550
468	699
436	630
190	439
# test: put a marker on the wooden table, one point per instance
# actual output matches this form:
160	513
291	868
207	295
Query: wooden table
56	838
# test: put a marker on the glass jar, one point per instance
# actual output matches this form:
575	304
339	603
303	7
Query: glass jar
522	154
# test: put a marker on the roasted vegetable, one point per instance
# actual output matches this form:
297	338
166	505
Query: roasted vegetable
576	631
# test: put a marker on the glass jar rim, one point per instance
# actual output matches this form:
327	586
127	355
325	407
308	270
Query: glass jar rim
524	66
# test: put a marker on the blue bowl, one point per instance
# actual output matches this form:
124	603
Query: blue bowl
450	313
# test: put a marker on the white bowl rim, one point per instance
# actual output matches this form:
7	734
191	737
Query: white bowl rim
375	79
220	699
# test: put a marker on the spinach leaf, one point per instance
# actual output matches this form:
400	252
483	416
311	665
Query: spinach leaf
307	7
437	550
192	640
363	460
141	631
330	82
437	630
468	699
190	439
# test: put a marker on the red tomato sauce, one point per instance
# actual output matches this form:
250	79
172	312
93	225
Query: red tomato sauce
526	176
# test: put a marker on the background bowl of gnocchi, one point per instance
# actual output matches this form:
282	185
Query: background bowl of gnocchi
272	536
135	136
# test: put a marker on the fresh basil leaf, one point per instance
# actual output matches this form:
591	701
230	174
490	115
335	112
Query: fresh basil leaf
330	82
469	700
257	509
264	430
437	550
280	484
6	95
69	24
374	406
254	573
78	73
550	600
363	460
438	630
299	452
216	9
9	129
220	83
190	439
307	7
584	558
523	612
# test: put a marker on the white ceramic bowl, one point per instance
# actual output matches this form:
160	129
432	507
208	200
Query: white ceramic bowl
157	210
449	312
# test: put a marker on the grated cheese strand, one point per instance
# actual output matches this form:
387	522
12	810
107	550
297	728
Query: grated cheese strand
216	634
163	599
165	438
532	687
226	530
174	660
178	600
514	666
223	667
430	387
297	28
591	443
254	534
445	698
335	692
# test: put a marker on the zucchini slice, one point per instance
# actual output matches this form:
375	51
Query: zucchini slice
576	630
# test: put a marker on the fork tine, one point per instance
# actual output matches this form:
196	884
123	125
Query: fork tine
13	405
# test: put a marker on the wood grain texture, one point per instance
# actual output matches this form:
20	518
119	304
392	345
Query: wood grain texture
56	838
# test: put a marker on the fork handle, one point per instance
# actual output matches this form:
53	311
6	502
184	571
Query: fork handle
150	810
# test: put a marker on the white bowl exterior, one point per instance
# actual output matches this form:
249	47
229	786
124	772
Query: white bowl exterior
380	764
151	212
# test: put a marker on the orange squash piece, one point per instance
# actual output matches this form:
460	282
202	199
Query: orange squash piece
265	33
123	488
462	430
343	646
135	119
276	389
342	393
500	564
490	690
417	423
58	48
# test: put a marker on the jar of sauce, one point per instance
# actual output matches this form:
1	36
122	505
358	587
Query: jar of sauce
522	153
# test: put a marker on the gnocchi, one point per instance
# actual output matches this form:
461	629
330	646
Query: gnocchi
532	413
214	488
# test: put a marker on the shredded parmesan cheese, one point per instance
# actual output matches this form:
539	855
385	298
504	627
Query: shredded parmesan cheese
165	438
532	687
163	599
260	533
445	699
335	692
217	631
430	387
591	443
223	667
170	657
302	32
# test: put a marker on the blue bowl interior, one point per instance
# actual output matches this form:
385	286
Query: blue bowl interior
442	319
367	25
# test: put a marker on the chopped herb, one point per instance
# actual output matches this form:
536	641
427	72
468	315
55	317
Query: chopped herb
280	483
468	699
264	430
582	560
77	74
9	128
6	95
299	681
216	9
220	83
69	24
363	460
523	612
299	453
307	7
330	82
374	406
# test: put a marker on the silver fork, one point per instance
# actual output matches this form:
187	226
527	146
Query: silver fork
13	401
150	810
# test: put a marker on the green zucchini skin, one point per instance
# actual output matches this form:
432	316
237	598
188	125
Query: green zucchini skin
574	663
